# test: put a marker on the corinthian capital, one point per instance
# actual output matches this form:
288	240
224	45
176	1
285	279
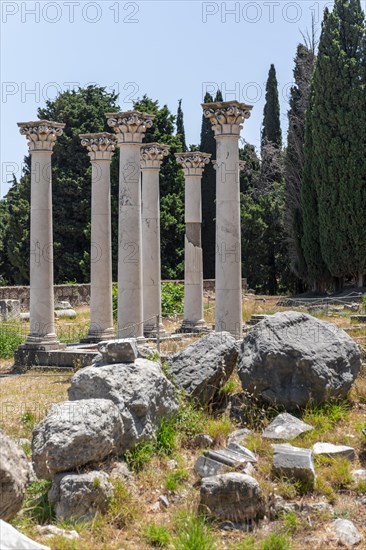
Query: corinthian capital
100	146
130	126
193	162
226	117
41	134
152	155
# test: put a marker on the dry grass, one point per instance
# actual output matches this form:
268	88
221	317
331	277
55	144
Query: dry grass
25	399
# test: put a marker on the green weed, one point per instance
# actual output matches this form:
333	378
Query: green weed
157	535
193	533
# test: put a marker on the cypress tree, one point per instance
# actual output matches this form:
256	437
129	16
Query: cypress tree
208	145
317	271
271	130
218	96
338	134
271	186
180	126
294	159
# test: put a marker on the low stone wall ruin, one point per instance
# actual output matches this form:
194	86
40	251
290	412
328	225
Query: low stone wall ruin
77	295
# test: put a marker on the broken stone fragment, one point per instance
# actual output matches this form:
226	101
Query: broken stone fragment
293	463
232	497
238	436
285	426
206	467
123	350
333	451
345	532
236	447
230	458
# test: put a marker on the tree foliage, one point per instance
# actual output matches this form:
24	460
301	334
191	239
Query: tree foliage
294	159
180	126
334	183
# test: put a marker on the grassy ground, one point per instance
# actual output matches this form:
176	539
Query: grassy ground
134	520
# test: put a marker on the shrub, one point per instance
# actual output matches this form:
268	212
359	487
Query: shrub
10	338
172	298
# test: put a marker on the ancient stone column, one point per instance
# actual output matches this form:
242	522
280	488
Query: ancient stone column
41	136
227	118
100	149
130	128
193	164
152	155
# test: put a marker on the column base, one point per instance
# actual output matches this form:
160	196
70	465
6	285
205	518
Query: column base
42	343
193	326
94	337
150	331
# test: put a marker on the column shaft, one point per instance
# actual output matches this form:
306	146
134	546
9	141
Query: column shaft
130	305
151	249
41	136
228	290
42	311
193	267
193	164
101	309
227	118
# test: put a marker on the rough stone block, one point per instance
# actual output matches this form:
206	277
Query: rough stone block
293	463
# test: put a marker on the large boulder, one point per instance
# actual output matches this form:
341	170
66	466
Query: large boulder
14	476
232	496
74	434
140	390
79	496
291	358
203	367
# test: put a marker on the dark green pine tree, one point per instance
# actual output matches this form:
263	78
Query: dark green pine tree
271	186
338	134
208	145
180	126
218	96
294	159
271	130
317	272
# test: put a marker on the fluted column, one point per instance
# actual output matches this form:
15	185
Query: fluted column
100	148
41	136
193	164
130	128
152	155
227	118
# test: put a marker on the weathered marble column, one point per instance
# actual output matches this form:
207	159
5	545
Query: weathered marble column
227	118
100	148
193	164
130	128
41	136
152	155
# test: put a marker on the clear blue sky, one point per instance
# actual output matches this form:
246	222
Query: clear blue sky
166	49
